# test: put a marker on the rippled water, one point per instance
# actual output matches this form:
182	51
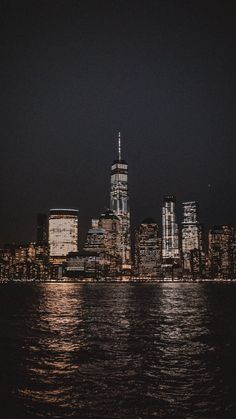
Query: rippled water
118	351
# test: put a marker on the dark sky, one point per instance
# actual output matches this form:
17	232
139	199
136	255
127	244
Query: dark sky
73	73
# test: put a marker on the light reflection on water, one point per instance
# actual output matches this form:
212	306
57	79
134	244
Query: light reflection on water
118	350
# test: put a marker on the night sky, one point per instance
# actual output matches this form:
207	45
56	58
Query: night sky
74	73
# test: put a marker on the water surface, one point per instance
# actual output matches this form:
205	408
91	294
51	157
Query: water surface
118	350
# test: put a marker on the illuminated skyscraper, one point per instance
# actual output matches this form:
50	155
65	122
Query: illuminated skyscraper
111	225
191	235
63	233
95	240
120	206
103	236
147	249
221	239
170	238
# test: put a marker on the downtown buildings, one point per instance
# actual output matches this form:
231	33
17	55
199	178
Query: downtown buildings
170	251
107	249
24	262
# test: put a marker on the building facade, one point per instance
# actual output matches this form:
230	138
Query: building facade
95	239
104	238
192	249
170	235
63	234
24	262
119	204
221	252
147	249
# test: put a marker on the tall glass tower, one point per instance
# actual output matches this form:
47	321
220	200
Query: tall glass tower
190	231
119	203
170	236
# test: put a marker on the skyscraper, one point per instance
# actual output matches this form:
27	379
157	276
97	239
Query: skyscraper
191	237
63	233
103	235
104	238
147	249
221	239
42	229
170	238
95	240
119	203
110	223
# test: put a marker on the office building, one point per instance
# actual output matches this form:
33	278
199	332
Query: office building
104	238
192	249
95	239
220	252
147	249
170	237
63	234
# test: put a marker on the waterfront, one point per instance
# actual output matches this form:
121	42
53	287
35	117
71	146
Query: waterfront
118	350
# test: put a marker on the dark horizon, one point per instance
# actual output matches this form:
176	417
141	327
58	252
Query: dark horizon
74	74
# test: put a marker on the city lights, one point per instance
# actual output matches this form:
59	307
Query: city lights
172	251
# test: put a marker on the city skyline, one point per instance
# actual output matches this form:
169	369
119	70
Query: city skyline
73	75
118	209
176	251
179	211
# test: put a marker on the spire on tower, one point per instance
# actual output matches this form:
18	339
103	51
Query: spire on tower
119	146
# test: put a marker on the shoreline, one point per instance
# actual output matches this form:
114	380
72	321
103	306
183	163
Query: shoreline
119	281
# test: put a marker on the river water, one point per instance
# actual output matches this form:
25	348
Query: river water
118	350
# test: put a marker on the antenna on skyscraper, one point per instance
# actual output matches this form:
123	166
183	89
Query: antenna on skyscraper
119	146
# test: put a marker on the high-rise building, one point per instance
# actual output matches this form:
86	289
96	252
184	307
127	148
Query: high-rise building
95	240
147	249
119	204
234	254
110	223
220	252
41	261
170	235
63	234
191	239
42	229
104	238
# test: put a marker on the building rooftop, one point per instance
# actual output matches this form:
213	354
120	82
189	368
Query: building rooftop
63	211
149	221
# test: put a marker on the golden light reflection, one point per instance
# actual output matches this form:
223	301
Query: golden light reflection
61	315
52	366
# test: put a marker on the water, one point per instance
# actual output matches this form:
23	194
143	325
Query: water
118	351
